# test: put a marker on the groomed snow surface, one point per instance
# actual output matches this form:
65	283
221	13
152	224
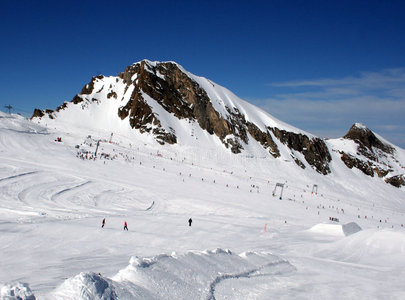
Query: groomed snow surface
244	243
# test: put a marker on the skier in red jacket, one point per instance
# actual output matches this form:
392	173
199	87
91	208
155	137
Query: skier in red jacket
125	226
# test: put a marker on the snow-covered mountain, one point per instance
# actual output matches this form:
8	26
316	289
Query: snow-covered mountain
262	227
164	102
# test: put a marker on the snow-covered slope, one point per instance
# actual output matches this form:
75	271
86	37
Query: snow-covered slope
54	196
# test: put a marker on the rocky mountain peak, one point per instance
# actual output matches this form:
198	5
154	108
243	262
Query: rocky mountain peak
177	93
366	139
373	156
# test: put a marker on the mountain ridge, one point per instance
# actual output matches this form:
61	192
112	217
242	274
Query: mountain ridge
164	101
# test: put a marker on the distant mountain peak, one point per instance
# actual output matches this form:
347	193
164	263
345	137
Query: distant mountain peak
366	138
373	156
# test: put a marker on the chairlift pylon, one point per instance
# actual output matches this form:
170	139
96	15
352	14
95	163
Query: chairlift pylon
314	189
281	185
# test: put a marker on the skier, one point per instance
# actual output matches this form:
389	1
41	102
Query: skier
102	226
190	221
125	226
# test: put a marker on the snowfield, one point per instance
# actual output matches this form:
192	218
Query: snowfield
244	243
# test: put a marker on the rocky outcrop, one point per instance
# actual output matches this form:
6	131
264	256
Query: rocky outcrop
89	88
315	151
176	93
38	113
371	154
397	181
367	142
353	162
298	162
141	117
264	138
112	94
381	172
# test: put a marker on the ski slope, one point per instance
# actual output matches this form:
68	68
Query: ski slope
244	243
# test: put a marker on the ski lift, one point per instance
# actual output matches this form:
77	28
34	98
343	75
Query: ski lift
281	186
314	189
95	152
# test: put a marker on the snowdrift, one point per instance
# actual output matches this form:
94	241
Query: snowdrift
86	286
17	291
336	229
193	275
372	246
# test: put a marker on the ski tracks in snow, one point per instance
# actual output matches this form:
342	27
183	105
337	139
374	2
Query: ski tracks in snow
73	189
250	274
18	176
151	206
54	194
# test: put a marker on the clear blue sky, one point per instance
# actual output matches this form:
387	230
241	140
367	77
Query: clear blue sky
319	65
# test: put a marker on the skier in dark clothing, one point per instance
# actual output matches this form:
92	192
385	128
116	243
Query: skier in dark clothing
125	226
190	221
102	226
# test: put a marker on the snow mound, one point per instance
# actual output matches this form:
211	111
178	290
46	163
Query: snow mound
86	286
376	247
328	229
195	275
18	291
336	229
16	123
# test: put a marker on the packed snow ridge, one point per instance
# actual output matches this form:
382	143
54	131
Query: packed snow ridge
193	275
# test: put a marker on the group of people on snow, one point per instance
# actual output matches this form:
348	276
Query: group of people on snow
126	224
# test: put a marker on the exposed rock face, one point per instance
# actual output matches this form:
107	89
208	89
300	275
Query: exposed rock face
372	154
367	141
315	151
364	166
264	138
175	92
88	88
397	181
38	113
381	172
